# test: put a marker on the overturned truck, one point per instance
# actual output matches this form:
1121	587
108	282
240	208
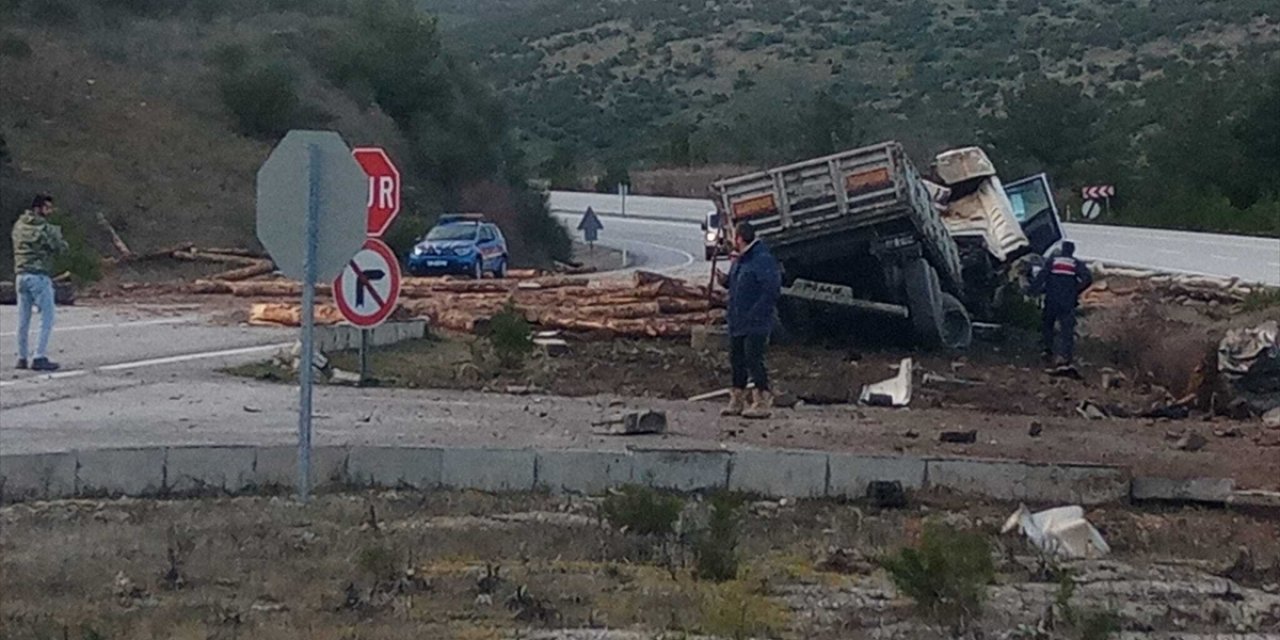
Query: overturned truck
862	231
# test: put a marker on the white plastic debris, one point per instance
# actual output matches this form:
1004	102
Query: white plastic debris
1061	531
894	392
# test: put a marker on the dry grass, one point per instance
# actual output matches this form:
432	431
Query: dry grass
340	567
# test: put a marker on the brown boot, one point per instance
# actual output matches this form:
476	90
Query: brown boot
737	403
761	405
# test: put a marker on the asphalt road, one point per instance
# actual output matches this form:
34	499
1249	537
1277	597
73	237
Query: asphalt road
1250	259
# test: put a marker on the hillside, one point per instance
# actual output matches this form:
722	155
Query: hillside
1076	87
157	114
608	75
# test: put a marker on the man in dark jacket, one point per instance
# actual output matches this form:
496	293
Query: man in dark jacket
1062	281
35	243
754	284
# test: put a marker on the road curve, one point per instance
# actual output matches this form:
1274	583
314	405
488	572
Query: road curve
1249	258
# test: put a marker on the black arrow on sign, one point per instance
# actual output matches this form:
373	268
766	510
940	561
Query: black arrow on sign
365	280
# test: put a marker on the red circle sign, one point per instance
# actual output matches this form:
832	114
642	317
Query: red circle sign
384	188
368	289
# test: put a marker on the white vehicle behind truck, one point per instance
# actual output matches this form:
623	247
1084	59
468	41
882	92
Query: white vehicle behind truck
714	241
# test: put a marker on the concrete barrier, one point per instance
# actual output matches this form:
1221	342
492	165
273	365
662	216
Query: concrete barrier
681	469
278	466
771	473
851	473
1030	482
345	337
583	471
798	474
486	469
37	476
420	468
1211	490
120	472
204	469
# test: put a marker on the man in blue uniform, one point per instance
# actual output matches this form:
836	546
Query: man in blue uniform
754	284
1062	281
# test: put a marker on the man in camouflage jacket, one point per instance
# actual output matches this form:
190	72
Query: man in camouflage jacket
36	242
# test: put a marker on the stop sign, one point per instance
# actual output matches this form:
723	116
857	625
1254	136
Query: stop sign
384	188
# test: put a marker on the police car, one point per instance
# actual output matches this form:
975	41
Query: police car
462	244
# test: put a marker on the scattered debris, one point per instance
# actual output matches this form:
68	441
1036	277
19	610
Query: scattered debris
1249	359
1065	371
1191	441
846	562
933	378
886	494
636	423
1112	379
959	437
1229	431
1091	410
894	392
1035	429
1062	531
710	395
1271	419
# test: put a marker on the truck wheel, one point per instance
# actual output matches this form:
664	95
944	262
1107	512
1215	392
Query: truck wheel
924	302
957	328
710	253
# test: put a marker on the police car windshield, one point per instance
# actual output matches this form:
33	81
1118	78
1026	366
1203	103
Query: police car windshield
463	231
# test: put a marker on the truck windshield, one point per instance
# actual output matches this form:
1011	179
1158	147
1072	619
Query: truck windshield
453	232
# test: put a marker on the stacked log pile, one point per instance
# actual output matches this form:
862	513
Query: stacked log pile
651	305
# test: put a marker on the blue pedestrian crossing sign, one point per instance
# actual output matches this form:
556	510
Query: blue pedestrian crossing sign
590	226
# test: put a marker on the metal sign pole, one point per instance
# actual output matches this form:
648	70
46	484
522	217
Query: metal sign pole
306	368
364	356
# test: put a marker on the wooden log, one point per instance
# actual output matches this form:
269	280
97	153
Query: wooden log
116	240
262	267
207	287
290	315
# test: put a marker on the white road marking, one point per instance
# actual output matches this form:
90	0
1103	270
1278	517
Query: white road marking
109	325
154	362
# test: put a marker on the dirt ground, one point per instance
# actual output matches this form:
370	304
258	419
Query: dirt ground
1001	391
418	565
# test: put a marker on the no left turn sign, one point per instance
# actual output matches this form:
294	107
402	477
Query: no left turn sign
368	289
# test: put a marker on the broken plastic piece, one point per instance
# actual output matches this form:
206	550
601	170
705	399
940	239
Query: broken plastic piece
1062	531
894	392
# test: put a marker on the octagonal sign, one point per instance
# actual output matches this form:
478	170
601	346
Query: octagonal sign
309	165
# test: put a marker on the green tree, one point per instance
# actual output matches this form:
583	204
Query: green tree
1047	123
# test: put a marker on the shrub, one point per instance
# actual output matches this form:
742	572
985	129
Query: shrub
642	511
511	337
377	562
263	99
738	609
716	549
80	260
946	574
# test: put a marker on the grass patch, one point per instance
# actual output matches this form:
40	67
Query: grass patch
740	609
642	511
715	550
946	574
511	337
1261	299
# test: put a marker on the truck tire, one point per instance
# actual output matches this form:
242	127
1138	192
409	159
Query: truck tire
957	328
924	302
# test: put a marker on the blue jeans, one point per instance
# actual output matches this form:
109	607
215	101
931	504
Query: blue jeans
34	290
